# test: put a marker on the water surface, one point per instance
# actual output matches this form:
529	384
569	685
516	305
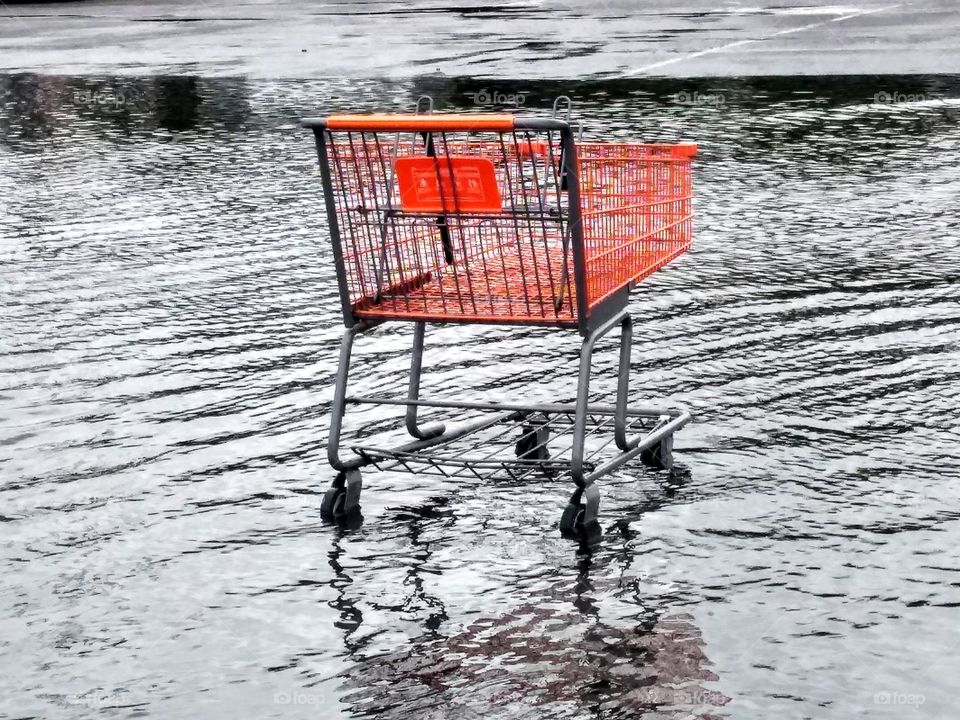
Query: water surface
169	336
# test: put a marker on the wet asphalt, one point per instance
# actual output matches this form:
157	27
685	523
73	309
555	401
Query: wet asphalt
547	39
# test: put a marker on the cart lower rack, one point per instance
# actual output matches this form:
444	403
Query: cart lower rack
505	220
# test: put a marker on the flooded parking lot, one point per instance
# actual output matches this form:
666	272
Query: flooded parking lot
170	329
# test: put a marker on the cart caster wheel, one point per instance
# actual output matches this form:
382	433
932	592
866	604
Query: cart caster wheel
332	498
660	456
572	525
571	520
579	519
343	498
532	445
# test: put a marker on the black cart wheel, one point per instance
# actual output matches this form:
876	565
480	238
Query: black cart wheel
660	456
571	522
332	502
534	436
342	500
572	525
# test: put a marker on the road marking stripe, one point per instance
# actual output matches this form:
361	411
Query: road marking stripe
738	43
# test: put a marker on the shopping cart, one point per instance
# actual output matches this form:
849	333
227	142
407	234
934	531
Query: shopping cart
510	220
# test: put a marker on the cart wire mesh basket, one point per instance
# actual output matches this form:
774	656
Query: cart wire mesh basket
495	219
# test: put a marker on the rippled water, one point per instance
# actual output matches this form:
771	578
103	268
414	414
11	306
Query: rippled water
169	334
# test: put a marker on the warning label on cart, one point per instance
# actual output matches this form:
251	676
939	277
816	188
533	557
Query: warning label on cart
448	184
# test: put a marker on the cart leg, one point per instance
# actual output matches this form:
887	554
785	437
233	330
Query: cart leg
342	500
580	518
623	385
413	391
338	408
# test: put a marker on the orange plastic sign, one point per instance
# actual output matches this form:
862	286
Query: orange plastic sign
448	184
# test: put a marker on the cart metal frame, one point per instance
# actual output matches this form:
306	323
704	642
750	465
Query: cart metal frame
644	432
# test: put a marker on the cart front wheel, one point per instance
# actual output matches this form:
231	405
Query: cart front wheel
332	502
342	500
572	525
571	520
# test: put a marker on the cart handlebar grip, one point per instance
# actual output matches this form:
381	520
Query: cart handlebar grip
463	122
422	123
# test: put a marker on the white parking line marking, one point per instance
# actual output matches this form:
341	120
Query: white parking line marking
738	43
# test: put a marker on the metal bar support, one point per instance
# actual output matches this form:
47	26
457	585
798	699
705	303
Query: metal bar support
623	386
338	407
645	411
583	393
413	392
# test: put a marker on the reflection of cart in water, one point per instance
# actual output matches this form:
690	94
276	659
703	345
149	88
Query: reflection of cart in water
503	220
600	638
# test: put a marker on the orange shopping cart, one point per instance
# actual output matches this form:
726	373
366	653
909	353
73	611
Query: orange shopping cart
509	220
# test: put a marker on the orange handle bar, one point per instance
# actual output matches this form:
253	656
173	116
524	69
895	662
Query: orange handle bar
421	123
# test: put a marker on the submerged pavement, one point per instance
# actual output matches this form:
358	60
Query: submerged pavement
539	38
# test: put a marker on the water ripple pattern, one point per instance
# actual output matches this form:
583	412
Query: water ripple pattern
169	338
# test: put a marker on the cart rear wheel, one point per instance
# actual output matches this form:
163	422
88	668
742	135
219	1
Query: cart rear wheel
534	436
660	456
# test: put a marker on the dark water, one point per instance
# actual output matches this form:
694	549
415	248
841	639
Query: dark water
169	333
